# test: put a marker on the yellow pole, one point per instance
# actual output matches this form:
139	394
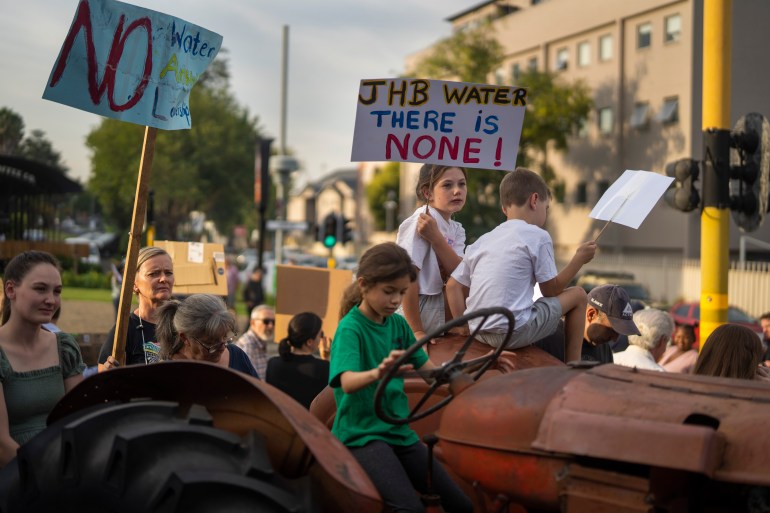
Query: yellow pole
714	250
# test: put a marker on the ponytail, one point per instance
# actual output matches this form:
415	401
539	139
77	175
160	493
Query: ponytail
284	348
350	298
302	327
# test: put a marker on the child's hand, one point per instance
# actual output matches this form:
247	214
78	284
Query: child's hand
763	373
585	252
428	228
388	362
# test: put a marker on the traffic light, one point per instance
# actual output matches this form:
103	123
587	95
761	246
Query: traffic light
345	232
683	196
750	171
329	230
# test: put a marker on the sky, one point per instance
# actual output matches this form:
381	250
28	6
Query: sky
333	44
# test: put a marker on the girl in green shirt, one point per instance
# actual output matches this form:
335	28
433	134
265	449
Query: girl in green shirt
368	340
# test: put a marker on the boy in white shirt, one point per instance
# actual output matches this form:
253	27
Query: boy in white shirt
502	267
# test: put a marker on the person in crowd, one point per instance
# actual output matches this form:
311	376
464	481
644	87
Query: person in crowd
608	314
655	329
435	242
200	328
502	267
368	340
260	333
231	273
153	286
37	367
680	356
253	292
732	351
296	370
764	321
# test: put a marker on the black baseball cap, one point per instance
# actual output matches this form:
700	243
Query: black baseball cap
614	303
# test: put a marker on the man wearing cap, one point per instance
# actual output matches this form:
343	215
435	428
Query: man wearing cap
608	314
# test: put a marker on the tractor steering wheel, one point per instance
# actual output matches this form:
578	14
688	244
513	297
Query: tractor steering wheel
452	370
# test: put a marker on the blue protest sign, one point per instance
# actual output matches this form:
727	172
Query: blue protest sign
132	64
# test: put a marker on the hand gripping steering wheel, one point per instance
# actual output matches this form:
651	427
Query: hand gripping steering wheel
452	371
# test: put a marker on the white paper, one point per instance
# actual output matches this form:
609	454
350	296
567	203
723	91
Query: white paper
195	252
630	199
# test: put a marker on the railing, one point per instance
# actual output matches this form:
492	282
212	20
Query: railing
671	279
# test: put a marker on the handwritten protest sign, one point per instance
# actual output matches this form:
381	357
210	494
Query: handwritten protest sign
130	63
631	198
439	122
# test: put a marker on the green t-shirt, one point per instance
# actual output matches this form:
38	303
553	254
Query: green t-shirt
360	345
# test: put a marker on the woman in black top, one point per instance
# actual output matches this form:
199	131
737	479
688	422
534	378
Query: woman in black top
153	285
297	371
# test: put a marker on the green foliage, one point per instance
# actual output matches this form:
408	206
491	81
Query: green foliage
37	147
208	168
93	279
555	110
384	181
467	55
11	131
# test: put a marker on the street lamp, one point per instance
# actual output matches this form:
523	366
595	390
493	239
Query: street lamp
282	166
390	210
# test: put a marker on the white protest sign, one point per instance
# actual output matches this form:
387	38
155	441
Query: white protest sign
439	122
630	199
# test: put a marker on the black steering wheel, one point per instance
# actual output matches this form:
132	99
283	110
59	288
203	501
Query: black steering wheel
451	370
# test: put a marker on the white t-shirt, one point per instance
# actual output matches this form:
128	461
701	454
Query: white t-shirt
422	253
501	269
635	356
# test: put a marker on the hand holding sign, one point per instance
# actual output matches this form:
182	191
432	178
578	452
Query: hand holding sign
630	199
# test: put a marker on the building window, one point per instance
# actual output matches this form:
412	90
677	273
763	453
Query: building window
515	72
532	64
581	193
582	130
640	118
669	113
603	185
562	58
605	120
644	35
500	76
673	25
583	54
605	47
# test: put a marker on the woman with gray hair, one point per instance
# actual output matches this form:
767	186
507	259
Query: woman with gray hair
200	328
656	328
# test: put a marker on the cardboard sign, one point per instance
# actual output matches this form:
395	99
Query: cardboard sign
630	199
129	63
309	289
439	122
199	268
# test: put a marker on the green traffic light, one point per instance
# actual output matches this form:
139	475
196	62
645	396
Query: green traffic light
330	241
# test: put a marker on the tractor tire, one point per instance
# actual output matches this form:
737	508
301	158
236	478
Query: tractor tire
146	456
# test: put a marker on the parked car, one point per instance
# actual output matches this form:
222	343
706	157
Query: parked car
689	313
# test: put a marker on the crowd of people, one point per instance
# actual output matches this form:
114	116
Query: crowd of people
402	292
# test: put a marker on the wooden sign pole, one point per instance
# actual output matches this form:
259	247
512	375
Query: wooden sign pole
134	244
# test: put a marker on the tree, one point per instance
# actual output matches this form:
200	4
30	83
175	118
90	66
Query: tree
384	184
209	168
37	147
11	131
554	111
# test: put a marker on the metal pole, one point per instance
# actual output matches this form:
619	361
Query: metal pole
283	175
715	217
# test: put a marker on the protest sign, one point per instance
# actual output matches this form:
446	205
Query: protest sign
130	63
439	122
136	65
630	199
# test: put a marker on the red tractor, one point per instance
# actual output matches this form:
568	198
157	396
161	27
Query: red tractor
530	435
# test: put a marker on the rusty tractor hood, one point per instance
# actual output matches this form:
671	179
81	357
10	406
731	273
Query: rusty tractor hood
298	443
712	426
